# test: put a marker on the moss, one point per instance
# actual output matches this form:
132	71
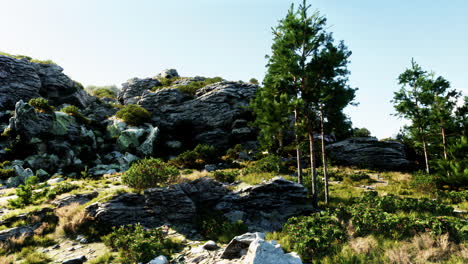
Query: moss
133	114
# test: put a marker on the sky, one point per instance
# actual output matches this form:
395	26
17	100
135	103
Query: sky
103	42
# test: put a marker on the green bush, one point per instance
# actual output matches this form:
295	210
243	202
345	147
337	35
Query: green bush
24	193
149	173
193	87
270	163
75	112
133	114
314	235
233	153
214	226
225	176
454	197
41	104
137	244
104	92
60	188
6	173
197	158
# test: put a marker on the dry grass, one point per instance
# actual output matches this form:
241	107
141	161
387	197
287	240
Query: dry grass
400	255
71	219
363	245
7	260
14	243
193	176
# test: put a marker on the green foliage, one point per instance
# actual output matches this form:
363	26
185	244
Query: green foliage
225	176
109	91
103	92
133	114
453	172
454	197
41	104
149	173
75	112
269	163
196	158
6	173
63	187
253	81
137	244
24	193
233	153
20	57
214	226
315	235
361	132
423	182
194	86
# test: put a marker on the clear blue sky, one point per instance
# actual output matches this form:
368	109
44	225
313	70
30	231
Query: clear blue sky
109	41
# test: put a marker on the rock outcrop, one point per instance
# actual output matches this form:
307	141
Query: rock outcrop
249	248
370	153
217	115
264	207
21	79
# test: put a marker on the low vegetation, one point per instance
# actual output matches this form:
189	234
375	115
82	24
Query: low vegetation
149	173
133	114
41	104
196	158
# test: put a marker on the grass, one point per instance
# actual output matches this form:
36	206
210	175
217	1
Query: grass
107	258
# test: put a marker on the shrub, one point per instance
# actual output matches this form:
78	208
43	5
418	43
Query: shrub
270	163
136	244
24	193
133	114
225	176
233	153
149	173
193	87
214	226
197	158
361	132
6	173
253	81
314	235
41	104
104	92
75	112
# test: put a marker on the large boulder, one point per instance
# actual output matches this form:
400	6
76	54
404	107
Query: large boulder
21	79
217	115
134	88
263	207
370	153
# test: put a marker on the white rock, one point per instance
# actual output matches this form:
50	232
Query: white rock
159	260
263	252
210	245
55	180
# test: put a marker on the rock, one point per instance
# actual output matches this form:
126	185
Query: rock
168	74
147	147
29	123
370	153
210	245
129	139
264	207
55	180
15	232
24	80
78	260
263	252
209	115
210	167
76	198
42	174
159	260
21	176
238	245
134	88
174	144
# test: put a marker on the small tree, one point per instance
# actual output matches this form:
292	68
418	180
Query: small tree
253	81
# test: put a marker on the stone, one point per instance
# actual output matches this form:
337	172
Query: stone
21	176
263	252
76	198
29	123
238	244
209	115
148	146
368	152
134	88
15	232
21	79
210	167
55	180
168	74
129	139
210	245
78	260
159	260
174	144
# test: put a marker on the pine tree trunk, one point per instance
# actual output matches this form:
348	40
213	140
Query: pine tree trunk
324	158
298	150
426	159
313	170
444	142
